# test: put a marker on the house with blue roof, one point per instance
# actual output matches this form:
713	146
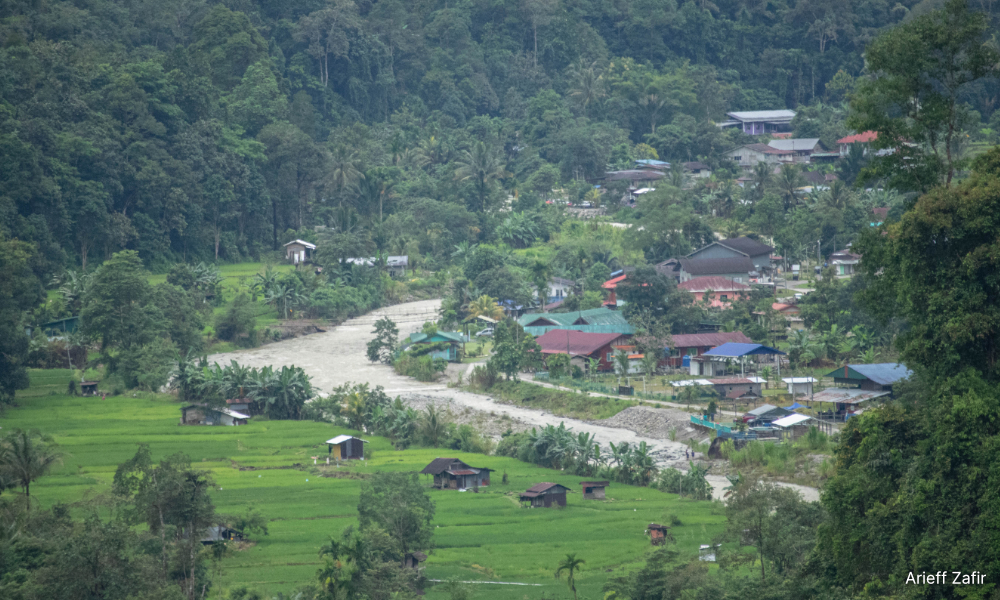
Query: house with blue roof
879	377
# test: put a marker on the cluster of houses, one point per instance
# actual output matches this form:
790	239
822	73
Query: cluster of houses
301	252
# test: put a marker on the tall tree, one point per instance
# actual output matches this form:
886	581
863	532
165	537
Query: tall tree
117	307
399	505
914	97
26	457
482	164
20	290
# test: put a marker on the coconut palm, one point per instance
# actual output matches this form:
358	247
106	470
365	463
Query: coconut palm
344	171
788	182
26	457
622	362
766	373
588	85
482	164
485	306
570	565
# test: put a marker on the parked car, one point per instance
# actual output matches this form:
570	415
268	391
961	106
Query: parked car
488	332
586	205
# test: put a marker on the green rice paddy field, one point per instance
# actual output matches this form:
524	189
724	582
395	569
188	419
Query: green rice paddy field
483	537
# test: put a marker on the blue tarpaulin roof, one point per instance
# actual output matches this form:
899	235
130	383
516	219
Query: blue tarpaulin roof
735	349
795	406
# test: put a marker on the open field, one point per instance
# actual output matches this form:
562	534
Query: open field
484	536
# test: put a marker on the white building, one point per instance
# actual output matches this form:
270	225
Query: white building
799	386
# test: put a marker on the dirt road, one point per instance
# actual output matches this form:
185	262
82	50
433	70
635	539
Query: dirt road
338	357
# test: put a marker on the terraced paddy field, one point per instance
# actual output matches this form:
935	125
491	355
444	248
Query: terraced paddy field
478	537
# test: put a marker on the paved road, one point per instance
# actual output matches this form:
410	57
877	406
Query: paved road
338	356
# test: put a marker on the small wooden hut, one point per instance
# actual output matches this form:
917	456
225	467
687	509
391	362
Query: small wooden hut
593	490
544	495
657	533
346	447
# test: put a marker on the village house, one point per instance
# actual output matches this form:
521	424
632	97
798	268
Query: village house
720	291
593	490
759	253
845	262
696	344
446	344
765	414
453	474
395	266
749	156
757	122
875	378
238	404
595	320
737	269
299	252
799	386
545	495
346	447
199	414
559	288
724	386
697	170
790	312
582	346
802	149
864	138
221	533
795	426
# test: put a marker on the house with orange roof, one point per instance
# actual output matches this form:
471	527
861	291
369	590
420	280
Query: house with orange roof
866	138
721	291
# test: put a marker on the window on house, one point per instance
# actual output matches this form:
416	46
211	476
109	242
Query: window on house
692	352
675	352
611	356
724	297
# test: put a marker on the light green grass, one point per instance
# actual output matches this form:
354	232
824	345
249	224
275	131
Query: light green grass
477	537
233	274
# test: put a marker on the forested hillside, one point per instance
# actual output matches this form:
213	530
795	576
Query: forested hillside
190	130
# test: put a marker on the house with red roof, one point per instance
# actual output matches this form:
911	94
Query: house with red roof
611	284
865	138
720	290
582	346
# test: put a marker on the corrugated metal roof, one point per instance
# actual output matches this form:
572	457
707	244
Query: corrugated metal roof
623	329
633	175
594	316
733	349
795	144
764	409
748	246
440	465
762	115
576	343
880	373
799	380
730	381
714	283
541	487
302	243
340	439
790	420
449	336
717	266
693	340
846	396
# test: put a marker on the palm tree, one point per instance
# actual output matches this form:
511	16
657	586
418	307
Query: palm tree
26	458
788	182
344	170
482	164
570	564
588	85
622	363
432	427
484	306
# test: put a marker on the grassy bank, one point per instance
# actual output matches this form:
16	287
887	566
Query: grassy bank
557	402
485	536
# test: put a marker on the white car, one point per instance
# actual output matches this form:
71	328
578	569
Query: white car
488	332
586	205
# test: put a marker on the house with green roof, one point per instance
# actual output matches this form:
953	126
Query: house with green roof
440	344
595	320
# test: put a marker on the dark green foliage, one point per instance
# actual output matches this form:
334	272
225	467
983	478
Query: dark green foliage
398	504
239	322
118	308
19	291
383	346
514	350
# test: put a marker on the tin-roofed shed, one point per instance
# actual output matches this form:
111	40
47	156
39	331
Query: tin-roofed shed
545	495
453	474
346	447
874	377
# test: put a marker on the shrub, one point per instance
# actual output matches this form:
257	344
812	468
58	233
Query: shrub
484	378
421	368
238	323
